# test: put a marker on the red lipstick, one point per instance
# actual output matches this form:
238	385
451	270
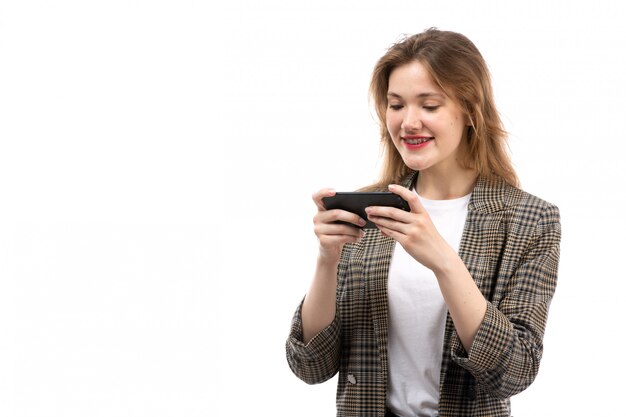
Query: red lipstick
414	142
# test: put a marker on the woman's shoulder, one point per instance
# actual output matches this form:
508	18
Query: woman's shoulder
493	194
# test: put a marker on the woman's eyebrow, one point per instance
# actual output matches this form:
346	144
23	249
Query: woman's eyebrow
421	95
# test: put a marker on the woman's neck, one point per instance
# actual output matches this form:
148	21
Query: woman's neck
445	187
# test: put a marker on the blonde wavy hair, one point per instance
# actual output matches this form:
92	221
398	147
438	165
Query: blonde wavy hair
459	69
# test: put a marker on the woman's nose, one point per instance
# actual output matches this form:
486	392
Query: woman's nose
412	121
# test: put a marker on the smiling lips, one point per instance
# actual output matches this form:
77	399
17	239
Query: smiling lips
416	142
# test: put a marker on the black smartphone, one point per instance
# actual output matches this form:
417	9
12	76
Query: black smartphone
356	202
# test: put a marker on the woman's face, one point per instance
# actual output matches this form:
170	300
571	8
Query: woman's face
427	127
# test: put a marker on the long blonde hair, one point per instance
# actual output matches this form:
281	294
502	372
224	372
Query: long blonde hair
459	69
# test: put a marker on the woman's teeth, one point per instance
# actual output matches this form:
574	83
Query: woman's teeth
417	141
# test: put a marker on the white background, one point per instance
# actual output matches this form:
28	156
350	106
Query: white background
156	164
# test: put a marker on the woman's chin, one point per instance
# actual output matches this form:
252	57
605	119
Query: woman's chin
416	164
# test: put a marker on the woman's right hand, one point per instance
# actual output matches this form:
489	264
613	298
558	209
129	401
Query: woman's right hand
332	235
320	303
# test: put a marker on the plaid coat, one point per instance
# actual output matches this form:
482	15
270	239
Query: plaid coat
510	246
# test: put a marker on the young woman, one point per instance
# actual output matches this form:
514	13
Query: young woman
440	310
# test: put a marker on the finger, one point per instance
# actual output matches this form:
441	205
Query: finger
337	234
337	230
390	218
328	241
411	197
337	215
319	195
378	214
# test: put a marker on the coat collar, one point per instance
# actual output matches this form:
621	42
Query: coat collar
490	194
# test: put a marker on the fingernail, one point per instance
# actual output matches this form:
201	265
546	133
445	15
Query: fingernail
362	222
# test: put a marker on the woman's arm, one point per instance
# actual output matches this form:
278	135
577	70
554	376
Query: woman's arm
501	345
507	349
319	307
314	342
466	304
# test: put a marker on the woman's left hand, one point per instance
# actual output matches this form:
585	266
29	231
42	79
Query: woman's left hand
414	230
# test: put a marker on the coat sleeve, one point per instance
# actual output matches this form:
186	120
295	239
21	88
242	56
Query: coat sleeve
318	360
505	354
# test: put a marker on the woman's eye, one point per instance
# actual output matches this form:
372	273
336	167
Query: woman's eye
430	108
395	106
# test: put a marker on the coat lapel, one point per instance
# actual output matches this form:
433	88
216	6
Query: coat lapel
484	235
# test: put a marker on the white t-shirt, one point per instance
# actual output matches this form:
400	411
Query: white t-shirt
417	316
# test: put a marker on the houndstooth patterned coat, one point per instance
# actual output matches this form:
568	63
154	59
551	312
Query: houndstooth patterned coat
510	246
